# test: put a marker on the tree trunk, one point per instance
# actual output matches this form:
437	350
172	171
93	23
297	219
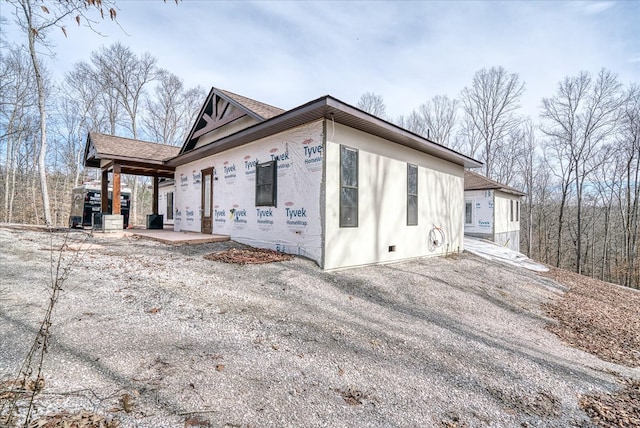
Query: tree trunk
605	244
43	117
560	219
579	225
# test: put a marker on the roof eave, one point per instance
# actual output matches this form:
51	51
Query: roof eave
407	139
326	107
501	189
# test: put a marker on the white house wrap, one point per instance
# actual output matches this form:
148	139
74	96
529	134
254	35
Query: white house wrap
294	225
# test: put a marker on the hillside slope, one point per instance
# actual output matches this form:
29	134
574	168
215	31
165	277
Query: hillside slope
148	334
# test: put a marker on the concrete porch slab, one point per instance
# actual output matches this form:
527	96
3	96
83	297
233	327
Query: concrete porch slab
169	236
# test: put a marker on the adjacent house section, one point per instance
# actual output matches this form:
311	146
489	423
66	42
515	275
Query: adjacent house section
492	210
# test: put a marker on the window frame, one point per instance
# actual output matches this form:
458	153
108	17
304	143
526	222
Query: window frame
273	199
410	195
470	203
511	210
354	223
170	206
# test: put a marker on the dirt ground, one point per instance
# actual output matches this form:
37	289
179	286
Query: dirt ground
147	334
603	319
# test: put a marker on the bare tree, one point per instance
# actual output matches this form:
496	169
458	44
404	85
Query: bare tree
98	102
169	113
372	104
525	167
577	120
126	76
506	155
17	100
490	106
628	144
35	20
439	116
412	122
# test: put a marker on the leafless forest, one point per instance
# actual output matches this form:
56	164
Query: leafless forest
578	159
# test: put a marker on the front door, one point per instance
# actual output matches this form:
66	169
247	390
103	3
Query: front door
207	201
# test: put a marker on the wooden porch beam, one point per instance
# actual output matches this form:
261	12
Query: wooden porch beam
154	203
115	204
104	191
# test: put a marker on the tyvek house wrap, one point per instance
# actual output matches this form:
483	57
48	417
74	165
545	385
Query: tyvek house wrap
293	226
483	207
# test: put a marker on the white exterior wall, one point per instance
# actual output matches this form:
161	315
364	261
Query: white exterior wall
382	202
163	190
507	232
294	226
503	221
483	213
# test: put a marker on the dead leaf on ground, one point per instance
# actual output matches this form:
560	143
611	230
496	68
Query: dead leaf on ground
597	317
352	396
82	419
127	402
622	408
248	256
195	422
603	319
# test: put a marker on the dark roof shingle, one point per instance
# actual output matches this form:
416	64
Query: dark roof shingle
473	181
110	146
263	110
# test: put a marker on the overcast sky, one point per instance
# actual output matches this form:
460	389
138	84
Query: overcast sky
289	53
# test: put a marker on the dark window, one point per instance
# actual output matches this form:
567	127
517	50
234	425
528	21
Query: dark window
266	184
169	205
348	187
468	213
412	195
517	210
511	209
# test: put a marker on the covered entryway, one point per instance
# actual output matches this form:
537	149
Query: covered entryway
116	155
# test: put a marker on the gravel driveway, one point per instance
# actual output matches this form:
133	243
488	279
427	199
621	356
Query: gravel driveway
150	334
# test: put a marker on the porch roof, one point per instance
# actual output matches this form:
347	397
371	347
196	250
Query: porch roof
136	157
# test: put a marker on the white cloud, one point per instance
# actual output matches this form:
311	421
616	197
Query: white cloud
594	7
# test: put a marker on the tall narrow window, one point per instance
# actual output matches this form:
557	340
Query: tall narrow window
266	184
348	187
207	195
517	210
468	213
412	195
511	209
169	205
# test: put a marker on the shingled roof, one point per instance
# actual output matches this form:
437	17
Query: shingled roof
473	181
112	147
133	156
263	110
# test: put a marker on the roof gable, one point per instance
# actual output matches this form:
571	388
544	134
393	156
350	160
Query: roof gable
223	108
473	181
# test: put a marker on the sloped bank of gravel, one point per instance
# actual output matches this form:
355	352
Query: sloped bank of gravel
147	334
